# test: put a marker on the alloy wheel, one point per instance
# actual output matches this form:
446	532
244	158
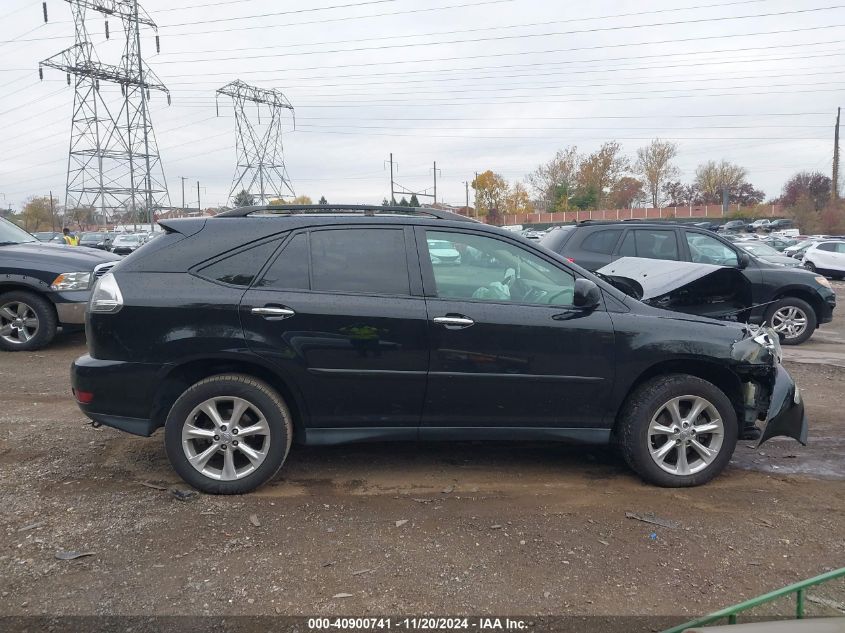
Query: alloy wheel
685	435
18	322
791	321
226	438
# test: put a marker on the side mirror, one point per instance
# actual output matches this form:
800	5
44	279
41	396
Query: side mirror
586	294
744	260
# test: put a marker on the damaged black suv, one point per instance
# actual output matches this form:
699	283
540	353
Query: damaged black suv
266	326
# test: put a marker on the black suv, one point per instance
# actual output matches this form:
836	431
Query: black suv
794	301
263	326
43	286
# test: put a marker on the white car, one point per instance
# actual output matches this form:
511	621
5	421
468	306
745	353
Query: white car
443	252
826	257
756	225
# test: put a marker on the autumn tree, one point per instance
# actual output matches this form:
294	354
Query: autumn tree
805	214
599	172
627	192
517	200
36	214
243	199
302	200
490	191
813	184
712	177
654	164
832	218
555	181
680	195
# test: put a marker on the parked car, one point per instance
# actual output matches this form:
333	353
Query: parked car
127	243
96	240
733	226
797	250
777	290
781	224
265	326
49	236
443	252
778	243
827	258
709	226
43	287
759	225
768	254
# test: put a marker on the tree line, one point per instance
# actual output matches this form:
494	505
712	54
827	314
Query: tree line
609	179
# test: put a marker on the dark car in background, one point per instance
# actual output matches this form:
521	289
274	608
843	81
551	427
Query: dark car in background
43	286
781	224
49	236
734	226
265	326
792	300
101	240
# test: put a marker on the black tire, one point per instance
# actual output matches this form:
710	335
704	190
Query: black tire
799	304
645	402
259	395
810	266
44	313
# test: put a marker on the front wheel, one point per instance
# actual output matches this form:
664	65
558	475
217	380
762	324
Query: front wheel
228	434
27	321
793	319
677	430
810	266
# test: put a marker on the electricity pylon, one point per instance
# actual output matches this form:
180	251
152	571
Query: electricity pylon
113	161
261	164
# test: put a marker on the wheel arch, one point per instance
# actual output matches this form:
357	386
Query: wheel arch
726	380
178	378
797	292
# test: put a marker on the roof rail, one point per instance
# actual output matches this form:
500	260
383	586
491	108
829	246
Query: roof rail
333	209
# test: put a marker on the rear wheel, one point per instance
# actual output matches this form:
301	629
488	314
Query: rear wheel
228	434
27	321
810	266
677	430
793	319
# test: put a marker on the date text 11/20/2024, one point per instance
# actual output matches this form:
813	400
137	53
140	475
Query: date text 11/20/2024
420	624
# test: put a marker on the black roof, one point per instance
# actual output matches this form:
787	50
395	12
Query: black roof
341	209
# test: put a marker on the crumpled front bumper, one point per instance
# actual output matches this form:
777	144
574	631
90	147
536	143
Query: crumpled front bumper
786	416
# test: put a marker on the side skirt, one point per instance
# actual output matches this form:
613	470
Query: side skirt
323	437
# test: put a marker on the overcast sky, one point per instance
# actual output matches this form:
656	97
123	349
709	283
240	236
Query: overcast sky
471	84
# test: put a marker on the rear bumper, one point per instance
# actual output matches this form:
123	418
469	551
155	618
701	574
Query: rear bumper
122	393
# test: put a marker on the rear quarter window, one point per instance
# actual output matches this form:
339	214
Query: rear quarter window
240	268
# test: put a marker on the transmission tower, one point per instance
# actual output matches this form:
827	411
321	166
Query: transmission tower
113	161
261	164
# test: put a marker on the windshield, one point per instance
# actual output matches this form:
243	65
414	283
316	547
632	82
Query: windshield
13	234
760	249
126	239
93	237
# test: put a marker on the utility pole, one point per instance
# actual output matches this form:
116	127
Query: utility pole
183	179
392	196
835	182
724	200
52	212
475	187
466	186
435	182
199	206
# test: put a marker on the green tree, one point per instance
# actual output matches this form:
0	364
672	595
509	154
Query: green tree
323	201
244	199
413	202
585	198
403	202
385	203
554	181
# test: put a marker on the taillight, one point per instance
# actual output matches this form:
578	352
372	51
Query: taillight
106	296
83	397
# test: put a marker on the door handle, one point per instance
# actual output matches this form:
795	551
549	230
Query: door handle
454	321
270	312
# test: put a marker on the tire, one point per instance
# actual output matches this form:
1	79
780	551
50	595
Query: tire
35	313
810	266
793	318
222	452
650	401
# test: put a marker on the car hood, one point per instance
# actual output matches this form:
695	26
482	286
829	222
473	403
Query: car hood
779	260
68	258
701	289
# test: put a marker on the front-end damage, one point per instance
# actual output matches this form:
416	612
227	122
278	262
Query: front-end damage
770	395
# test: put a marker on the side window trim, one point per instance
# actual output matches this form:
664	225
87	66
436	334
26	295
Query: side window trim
196	269
278	253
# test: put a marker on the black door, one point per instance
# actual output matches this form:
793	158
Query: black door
340	312
511	356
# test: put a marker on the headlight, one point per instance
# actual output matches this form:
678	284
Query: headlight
823	282
769	339
106	296
72	281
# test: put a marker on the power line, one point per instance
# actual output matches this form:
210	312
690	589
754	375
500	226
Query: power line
217	4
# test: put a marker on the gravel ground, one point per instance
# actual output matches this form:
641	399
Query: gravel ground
406	529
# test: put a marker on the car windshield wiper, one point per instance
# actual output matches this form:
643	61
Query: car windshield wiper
11	243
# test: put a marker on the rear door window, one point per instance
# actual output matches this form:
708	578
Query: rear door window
602	241
239	269
365	260
290	269
656	243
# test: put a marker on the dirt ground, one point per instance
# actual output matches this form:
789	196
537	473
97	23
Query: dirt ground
446	529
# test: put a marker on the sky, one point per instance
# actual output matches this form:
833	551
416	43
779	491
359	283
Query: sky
470	84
